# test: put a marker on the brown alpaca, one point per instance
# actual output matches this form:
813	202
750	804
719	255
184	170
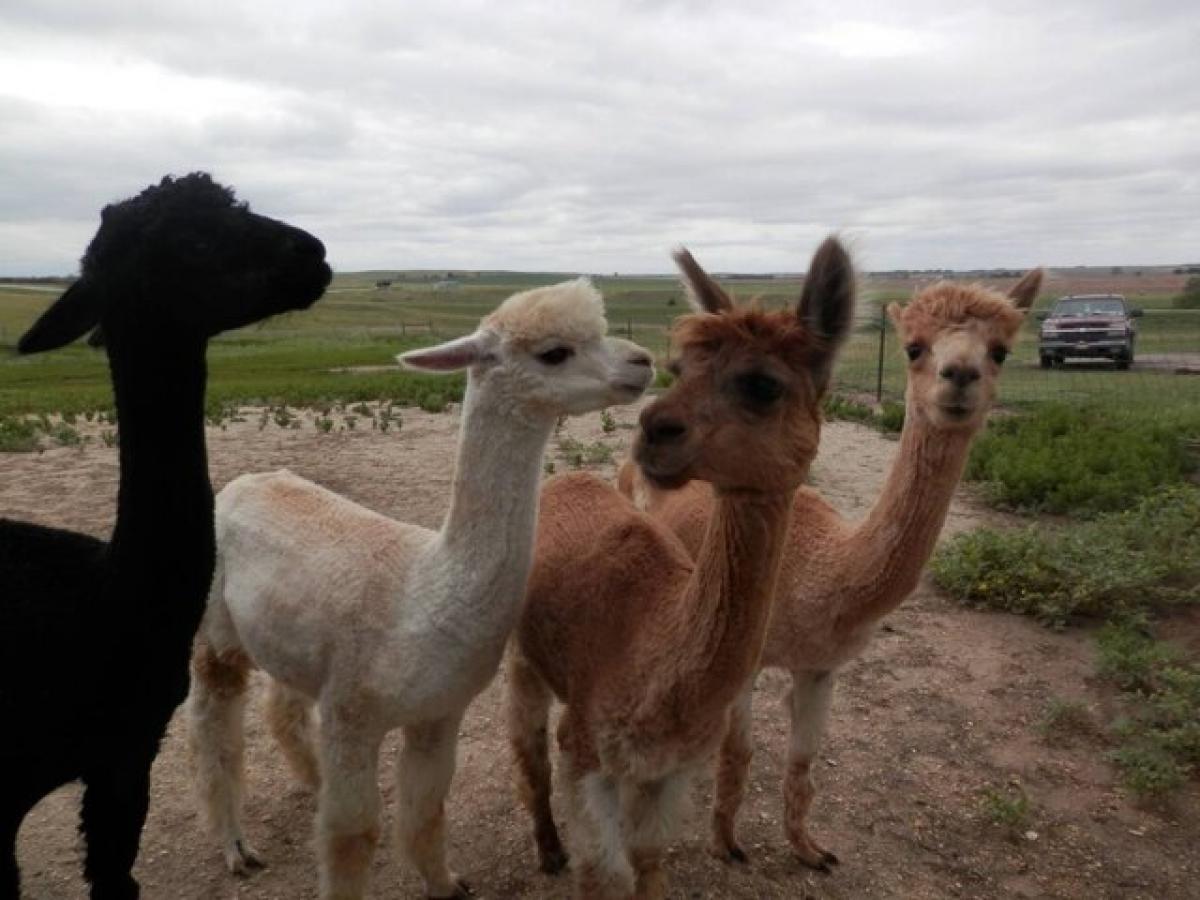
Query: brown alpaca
646	649
839	579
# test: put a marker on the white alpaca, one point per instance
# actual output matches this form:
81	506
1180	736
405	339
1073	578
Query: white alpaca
384	624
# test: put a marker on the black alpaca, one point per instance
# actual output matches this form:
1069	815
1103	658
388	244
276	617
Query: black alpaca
95	637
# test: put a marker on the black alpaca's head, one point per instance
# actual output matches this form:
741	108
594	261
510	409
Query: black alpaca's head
183	258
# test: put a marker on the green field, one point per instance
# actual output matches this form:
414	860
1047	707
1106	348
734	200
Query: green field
296	358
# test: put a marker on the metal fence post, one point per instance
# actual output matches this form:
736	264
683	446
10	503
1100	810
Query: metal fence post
879	370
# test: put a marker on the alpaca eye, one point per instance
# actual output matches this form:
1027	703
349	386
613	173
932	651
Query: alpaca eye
760	388
914	351
999	355
556	356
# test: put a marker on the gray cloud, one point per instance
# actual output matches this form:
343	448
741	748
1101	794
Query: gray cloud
596	137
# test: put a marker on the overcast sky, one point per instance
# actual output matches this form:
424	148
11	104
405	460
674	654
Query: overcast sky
595	136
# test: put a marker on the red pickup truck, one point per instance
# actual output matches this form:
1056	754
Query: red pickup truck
1095	325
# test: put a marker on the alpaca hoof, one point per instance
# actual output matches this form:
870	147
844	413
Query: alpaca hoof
553	861
242	859
728	853
820	860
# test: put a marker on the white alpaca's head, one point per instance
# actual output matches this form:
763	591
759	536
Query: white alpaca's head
544	351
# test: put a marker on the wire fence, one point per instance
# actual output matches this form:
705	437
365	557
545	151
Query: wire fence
1163	375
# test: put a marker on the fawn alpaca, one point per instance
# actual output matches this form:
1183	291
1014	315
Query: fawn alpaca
95	636
383	624
646	649
839	578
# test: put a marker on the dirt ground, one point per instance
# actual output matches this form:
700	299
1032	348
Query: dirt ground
942	706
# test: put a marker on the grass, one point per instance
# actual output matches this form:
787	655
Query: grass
1007	806
245	370
1145	558
578	454
1121	568
888	417
1062	720
1159	739
289	359
18	435
1081	461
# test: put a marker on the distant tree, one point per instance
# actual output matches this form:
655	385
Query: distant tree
1190	298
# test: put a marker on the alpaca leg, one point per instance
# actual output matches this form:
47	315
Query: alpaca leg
215	711
289	716
347	806
423	774
809	701
733	767
600	863
653	812
115	800
528	716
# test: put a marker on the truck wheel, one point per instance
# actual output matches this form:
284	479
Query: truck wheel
1045	361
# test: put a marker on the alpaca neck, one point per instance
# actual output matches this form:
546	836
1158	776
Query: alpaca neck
165	501
488	532
891	546
727	602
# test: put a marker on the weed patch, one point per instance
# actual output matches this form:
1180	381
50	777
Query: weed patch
1117	564
1081	461
1160	737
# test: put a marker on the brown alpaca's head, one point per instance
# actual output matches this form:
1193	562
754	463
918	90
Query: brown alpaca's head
745	411
956	338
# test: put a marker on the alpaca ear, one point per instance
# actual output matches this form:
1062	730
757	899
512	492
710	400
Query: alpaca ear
895	312
703	294
1025	291
827	303
70	316
461	353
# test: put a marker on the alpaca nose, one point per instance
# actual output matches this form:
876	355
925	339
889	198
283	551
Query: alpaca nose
660	429
960	374
640	358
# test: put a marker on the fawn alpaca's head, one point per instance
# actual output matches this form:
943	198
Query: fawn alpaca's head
544	353
745	410
956	338
183	259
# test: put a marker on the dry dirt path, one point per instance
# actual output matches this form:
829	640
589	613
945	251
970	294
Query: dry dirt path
942	705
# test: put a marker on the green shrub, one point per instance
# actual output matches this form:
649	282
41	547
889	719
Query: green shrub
1008	806
1160	738
1121	562
891	417
1081	461
17	435
1064	719
839	407
1190	297
434	402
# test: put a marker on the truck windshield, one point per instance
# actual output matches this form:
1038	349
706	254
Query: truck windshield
1090	306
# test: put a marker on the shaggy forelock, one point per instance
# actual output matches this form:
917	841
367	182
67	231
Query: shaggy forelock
777	332
572	310
946	303
187	195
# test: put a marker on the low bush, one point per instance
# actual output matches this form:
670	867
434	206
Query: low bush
1148	556
1081	461
1160	738
17	435
888	418
1189	298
